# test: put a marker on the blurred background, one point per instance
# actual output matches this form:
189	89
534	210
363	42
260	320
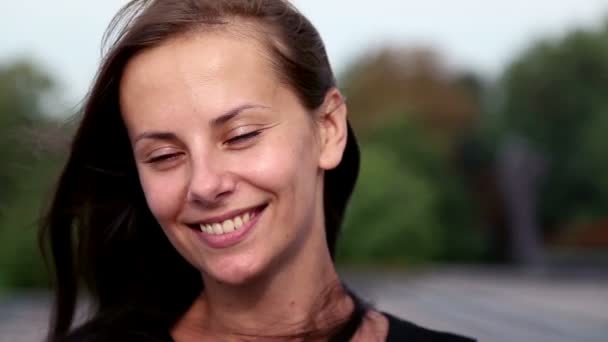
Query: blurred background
482	205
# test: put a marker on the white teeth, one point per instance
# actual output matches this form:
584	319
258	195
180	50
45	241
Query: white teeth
217	228
228	226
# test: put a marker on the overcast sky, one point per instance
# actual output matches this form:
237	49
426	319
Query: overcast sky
64	35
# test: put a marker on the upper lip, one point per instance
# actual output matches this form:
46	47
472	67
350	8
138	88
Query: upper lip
226	216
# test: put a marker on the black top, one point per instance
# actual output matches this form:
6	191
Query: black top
399	330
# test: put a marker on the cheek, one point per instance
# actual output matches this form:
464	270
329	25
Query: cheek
282	164
286	169
164	194
272	171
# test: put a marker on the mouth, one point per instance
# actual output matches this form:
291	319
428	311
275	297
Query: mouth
229	223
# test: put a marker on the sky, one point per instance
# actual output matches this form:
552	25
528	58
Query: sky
64	36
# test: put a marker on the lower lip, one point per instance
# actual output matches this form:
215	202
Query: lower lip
232	238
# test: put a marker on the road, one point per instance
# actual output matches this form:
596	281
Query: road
487	303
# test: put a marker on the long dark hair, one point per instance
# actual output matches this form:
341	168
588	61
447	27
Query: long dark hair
99	232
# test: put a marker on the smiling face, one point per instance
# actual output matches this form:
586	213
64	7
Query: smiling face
230	162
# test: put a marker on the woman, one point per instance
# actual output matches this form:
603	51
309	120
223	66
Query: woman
207	182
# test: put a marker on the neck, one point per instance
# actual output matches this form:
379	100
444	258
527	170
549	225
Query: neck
303	293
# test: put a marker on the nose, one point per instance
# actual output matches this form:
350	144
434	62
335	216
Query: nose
210	182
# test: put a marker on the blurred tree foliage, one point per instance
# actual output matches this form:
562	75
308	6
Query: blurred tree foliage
411	203
555	97
30	159
412	83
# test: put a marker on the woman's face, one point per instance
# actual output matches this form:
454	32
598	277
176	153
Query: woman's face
230	162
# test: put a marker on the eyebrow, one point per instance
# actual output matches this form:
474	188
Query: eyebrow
220	120
232	113
155	135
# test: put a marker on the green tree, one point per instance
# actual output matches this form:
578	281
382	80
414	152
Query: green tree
412	83
555	97
410	204
29	161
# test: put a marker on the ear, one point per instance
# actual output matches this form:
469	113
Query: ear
333	129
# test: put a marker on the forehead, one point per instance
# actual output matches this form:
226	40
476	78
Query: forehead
214	69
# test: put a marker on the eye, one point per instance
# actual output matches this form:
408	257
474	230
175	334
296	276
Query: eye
242	138
162	158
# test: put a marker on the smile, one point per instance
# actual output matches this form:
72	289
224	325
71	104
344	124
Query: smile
228	225
220	226
229	229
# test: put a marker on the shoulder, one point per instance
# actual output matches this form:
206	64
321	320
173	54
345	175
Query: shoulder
401	330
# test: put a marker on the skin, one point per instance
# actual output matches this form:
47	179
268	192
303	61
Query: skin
271	151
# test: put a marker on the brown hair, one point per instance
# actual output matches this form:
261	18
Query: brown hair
99	229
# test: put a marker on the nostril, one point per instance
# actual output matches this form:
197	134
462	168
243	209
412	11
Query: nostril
210	190
202	202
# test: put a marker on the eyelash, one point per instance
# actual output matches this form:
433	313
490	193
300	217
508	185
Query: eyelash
243	137
235	140
162	158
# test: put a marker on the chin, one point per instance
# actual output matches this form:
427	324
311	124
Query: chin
234	270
